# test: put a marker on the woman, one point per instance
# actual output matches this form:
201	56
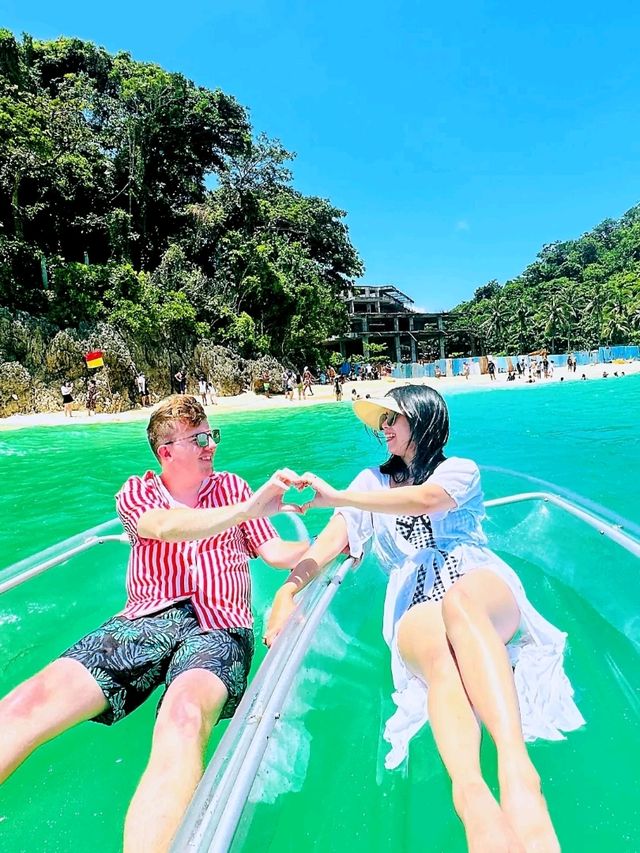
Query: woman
308	379
202	390
451	608
337	388
67	400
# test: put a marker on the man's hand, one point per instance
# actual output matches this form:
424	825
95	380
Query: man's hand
267	500
283	606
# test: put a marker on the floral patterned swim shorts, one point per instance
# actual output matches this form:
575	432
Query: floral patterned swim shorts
129	658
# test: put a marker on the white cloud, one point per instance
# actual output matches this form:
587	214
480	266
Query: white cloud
462	225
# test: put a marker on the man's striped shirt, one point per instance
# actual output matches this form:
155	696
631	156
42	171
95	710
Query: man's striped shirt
212	572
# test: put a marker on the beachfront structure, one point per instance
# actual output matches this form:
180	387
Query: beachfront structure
383	314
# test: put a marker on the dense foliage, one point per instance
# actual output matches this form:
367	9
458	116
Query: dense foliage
131	196
577	294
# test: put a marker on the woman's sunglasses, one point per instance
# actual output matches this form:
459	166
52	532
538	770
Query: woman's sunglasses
389	418
202	439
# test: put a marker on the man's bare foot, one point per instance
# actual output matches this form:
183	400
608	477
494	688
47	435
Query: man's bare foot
486	826
522	801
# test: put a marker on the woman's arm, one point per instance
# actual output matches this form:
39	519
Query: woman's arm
329	543
402	500
283	553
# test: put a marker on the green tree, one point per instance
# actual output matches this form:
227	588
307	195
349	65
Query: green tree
557	316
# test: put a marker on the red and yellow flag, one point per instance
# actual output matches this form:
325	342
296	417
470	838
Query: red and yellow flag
94	359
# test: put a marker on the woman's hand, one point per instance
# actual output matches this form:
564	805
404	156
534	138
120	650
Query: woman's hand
325	495
283	606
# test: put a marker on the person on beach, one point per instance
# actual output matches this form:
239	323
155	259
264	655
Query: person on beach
288	386
92	397
67	399
202	389
337	388
308	380
181	381
187	623
143	391
491	367
451	608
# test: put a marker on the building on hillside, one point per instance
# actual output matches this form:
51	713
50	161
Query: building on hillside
382	314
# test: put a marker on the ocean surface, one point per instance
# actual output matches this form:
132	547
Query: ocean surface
323	786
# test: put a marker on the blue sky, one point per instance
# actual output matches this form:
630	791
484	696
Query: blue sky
459	137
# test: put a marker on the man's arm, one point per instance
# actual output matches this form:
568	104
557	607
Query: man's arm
183	524
329	543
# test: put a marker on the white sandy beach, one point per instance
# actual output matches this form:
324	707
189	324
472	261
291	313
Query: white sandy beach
249	401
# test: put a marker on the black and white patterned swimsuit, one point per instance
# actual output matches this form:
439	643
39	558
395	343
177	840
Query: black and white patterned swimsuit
417	530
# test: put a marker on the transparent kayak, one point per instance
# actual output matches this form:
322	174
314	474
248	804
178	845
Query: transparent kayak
300	767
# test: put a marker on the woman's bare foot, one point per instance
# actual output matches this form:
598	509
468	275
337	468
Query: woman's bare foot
522	801
486	826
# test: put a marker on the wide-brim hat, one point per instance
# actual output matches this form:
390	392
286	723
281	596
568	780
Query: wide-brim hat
370	411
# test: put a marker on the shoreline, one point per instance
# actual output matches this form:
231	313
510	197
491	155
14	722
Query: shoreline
249	401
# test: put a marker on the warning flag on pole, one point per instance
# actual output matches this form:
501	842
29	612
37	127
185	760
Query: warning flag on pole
94	359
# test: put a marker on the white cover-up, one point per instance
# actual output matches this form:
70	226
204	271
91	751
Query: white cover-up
544	691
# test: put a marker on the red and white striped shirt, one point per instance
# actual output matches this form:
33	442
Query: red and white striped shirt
212	572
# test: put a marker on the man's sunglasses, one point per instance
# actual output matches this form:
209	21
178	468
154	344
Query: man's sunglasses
202	439
389	418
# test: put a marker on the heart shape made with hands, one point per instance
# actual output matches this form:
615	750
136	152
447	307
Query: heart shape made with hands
298	494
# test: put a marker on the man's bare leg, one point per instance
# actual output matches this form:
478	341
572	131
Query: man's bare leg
422	642
480	616
61	695
190	709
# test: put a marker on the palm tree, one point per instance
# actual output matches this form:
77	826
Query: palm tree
595	306
523	316
557	318
497	321
617	321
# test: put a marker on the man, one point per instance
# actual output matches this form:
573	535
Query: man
181	381
187	621
92	397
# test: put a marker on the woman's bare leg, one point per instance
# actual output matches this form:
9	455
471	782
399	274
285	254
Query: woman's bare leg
423	645
481	615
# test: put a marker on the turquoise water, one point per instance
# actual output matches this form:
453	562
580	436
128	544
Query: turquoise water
582	437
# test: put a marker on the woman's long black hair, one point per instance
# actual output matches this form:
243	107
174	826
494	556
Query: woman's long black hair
428	418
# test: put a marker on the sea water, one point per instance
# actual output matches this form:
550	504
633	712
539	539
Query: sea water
323	786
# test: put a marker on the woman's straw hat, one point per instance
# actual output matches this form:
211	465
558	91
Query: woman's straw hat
370	411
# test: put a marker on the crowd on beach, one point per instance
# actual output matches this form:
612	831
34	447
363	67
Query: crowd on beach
303	381
324	383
